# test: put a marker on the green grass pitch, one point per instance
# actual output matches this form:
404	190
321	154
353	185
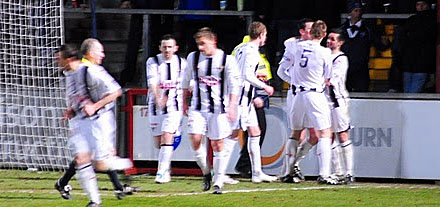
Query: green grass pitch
35	189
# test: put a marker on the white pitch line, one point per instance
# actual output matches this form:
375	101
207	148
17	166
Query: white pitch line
141	194
153	195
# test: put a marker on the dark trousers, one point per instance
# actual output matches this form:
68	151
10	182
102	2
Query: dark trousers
243	165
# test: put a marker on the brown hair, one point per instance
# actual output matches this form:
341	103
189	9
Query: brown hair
205	32
319	29
68	51
255	29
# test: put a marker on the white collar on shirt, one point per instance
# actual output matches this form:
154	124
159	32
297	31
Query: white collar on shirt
353	34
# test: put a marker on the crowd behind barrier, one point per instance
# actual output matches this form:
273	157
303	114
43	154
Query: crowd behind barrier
383	74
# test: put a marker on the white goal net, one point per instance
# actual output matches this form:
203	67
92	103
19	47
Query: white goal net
32	96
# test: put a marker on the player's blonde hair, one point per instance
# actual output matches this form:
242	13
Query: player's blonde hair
318	30
205	32
255	29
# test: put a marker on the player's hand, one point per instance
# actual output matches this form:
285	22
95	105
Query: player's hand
258	102
327	82
90	109
269	90
232	113
162	102
185	109
69	113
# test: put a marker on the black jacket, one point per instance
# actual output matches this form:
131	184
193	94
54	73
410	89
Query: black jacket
358	48
418	47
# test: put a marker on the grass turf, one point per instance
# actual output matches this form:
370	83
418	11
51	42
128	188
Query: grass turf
35	189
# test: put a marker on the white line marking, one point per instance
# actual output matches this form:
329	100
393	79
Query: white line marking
108	193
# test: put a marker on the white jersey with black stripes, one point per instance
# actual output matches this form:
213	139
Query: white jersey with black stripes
339	74
166	75
248	57
212	84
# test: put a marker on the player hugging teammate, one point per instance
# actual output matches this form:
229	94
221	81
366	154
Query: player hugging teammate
221	89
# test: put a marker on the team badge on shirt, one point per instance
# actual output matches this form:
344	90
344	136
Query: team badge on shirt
209	80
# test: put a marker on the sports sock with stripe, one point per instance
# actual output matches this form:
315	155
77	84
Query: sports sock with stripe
87	178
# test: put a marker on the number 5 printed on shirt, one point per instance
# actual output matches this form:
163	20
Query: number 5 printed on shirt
304	58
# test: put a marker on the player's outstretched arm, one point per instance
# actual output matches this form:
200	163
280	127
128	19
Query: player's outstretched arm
91	108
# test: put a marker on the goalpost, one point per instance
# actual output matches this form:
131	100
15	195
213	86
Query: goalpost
32	92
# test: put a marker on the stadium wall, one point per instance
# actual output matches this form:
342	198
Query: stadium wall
391	138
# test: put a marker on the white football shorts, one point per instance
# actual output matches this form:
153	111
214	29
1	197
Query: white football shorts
310	110
214	126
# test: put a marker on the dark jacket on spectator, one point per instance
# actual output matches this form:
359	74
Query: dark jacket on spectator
419	35
358	51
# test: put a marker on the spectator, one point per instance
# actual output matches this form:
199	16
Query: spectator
395	73
357	47
419	48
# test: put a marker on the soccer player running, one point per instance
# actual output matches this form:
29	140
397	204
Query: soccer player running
81	143
310	106
97	88
103	91
291	173
248	58
213	103
338	95
164	77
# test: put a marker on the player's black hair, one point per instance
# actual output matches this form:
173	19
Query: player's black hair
342	36
168	37
68	51
302	22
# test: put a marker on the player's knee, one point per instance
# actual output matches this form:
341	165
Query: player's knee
343	136
196	141
254	131
166	138
157	142
82	159
101	166
217	145
325	133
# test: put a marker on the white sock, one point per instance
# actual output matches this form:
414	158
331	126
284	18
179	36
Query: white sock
292	146
285	162
347	156
253	146
336	159
302	151
324	156
219	167
87	178
165	153
229	145
200	155
117	163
